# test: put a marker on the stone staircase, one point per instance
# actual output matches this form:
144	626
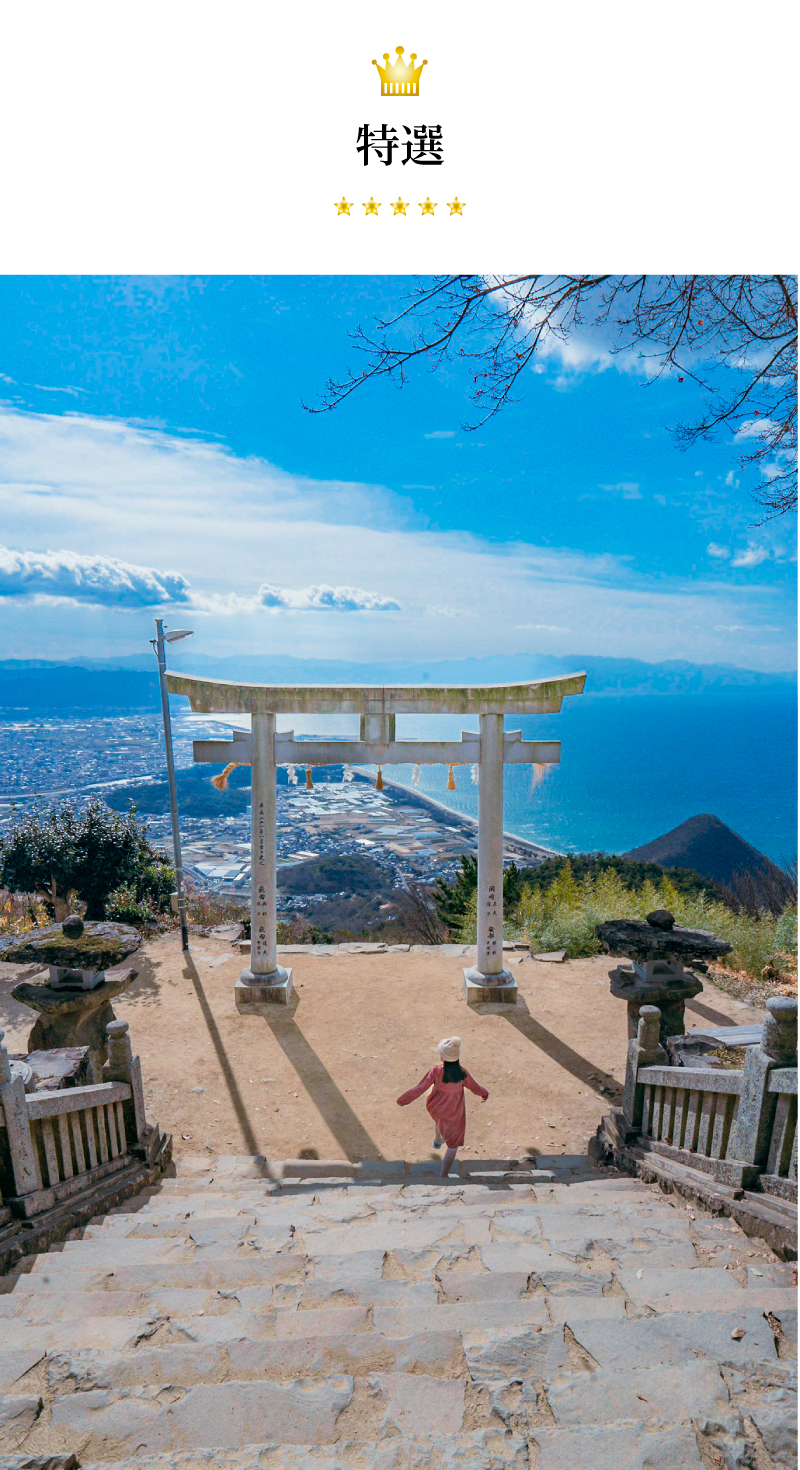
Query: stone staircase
562	1317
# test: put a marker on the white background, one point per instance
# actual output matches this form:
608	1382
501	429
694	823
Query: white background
176	137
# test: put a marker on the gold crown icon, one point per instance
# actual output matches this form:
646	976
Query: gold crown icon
401	79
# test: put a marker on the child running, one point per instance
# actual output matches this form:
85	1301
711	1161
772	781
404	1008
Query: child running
446	1103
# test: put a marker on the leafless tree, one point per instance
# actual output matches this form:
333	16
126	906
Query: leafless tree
767	890
735	336
417	916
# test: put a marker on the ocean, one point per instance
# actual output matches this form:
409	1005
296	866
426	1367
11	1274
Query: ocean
635	766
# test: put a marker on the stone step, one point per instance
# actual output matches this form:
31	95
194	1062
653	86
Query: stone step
637	1418
15	1363
182	1363
491	1330
576	1297
619	1249
659	1396
487	1286
426	1180
492	1449
380	1318
221	1416
647	1342
622	1447
18	1415
55	1272
318	1212
51	1337
459	1269
110	1253
709	1287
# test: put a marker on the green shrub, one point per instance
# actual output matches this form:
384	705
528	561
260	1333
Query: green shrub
125	907
632	872
565	915
87	851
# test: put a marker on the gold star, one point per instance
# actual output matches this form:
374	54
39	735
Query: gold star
427	207
456	206
342	207
372	207
399	207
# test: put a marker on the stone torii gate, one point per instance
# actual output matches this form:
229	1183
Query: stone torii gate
266	748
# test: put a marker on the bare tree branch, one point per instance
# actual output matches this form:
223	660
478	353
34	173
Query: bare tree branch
735	336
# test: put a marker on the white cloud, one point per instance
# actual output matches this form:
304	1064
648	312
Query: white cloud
73	392
67	575
295	599
753	556
442	434
232	526
342	599
581	349
754	429
628	489
721	552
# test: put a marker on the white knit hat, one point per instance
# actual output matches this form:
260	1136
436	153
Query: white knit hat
449	1048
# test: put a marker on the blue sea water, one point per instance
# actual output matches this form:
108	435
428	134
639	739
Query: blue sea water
635	766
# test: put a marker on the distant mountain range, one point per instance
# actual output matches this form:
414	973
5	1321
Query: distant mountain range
709	848
127	684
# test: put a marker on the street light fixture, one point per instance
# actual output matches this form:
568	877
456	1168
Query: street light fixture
162	637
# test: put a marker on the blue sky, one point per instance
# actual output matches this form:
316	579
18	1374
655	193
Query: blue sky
155	457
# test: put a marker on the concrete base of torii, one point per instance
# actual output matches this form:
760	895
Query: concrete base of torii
480	989
253	991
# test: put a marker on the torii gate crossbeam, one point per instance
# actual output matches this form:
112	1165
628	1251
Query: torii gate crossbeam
265	748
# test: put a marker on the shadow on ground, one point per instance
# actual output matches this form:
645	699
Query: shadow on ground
234	1092
585	1071
345	1125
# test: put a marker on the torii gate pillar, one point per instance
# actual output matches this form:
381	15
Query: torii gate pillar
488	980
264	980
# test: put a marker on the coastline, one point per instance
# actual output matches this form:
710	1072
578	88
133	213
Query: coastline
525	848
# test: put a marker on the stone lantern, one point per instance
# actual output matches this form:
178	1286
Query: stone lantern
659	951
84	974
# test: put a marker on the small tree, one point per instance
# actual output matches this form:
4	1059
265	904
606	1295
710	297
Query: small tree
417	915
89	851
453	900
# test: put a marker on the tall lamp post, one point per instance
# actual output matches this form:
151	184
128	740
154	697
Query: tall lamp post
158	643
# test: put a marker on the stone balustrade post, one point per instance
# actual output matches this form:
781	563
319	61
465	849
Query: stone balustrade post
123	1066
644	1050
779	1032
777	1048
25	1169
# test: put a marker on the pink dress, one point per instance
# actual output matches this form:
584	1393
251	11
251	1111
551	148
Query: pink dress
446	1103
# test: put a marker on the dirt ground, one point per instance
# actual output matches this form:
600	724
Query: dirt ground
321	1077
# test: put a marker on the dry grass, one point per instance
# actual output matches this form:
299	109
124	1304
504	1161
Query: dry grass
754	991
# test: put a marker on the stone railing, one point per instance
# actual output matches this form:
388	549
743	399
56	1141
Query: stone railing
781	1172
56	1145
692	1111
738	1126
